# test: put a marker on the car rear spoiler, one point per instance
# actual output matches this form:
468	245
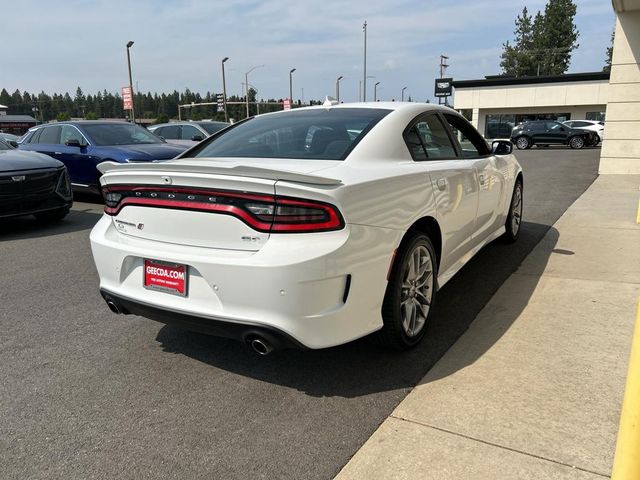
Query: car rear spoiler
236	170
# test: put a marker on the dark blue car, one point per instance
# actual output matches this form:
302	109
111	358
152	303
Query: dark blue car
83	145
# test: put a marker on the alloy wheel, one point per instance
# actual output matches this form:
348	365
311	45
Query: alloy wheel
516	210
417	291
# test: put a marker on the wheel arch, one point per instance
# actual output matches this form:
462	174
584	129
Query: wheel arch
430	227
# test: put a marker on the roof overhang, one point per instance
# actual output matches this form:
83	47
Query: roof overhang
621	6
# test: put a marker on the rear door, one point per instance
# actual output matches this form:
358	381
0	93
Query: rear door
453	181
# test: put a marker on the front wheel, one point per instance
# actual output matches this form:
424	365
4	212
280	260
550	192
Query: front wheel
522	143
410	294
576	142
514	217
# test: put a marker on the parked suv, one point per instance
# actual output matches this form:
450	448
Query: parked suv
187	133
82	145
546	132
592	125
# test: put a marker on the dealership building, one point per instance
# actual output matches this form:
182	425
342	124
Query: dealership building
496	103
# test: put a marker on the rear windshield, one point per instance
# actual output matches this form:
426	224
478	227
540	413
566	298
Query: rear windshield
104	134
319	134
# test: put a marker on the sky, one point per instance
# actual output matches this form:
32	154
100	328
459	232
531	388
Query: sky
56	46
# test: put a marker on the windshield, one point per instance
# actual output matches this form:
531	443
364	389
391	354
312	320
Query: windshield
103	134
212	127
322	133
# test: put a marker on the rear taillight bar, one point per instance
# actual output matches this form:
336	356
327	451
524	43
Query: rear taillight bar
264	213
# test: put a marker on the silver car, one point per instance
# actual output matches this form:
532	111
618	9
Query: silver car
187	133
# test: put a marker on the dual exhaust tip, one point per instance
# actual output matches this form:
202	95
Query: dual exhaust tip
259	343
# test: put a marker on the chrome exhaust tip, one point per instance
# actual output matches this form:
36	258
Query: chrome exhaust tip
113	307
261	346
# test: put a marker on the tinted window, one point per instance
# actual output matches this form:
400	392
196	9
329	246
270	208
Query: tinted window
579	124
171	132
33	136
537	126
555	126
322	133
213	127
50	135
471	142
188	132
430	136
119	134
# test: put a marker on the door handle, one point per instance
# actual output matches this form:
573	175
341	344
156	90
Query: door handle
442	183
57	153
481	179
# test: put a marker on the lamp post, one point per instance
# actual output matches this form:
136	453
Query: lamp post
338	88
224	91
364	83
246	85
375	91
403	89
291	85
133	115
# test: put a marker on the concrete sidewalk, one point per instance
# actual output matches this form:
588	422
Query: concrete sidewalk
533	389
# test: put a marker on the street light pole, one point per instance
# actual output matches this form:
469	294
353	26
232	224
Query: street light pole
360	91
291	86
246	85
133	114
403	89
364	83
224	91
375	91
338	88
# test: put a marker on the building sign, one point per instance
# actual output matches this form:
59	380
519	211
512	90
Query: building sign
127	101
287	104
443	87
220	100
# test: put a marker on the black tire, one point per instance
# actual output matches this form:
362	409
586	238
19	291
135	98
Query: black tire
523	143
511	233
52	215
394	333
576	142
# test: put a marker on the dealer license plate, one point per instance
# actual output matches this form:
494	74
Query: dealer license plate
165	277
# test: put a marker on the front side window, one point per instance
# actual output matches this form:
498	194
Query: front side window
470	141
4	146
71	133
322	133
189	131
50	135
428	139
104	134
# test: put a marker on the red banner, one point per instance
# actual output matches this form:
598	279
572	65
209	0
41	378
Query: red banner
127	101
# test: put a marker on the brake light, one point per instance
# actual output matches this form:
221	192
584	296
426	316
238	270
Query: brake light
264	213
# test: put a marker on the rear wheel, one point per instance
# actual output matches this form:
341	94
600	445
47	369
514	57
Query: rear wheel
576	142
52	215
522	143
410	294
514	217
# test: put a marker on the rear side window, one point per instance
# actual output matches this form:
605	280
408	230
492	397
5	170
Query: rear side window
428	139
319	133
537	126
50	135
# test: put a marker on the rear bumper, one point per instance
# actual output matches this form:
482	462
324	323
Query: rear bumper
316	290
208	325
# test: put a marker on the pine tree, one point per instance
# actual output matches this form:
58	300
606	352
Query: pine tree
516	60
607	62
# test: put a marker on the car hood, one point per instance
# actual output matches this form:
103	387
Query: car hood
143	153
14	160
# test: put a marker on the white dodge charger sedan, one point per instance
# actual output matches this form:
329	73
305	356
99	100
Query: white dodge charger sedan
307	228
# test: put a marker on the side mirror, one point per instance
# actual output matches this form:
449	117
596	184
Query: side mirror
73	142
501	147
13	143
197	138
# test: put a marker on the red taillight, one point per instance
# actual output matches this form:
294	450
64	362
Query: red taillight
265	213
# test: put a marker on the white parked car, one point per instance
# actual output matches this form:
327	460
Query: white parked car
592	125
307	228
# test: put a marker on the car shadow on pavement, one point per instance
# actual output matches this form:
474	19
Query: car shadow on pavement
29	227
360	368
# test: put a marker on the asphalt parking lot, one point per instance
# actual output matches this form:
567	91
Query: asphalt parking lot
87	394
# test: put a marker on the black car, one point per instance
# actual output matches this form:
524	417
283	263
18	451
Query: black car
547	132
33	184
